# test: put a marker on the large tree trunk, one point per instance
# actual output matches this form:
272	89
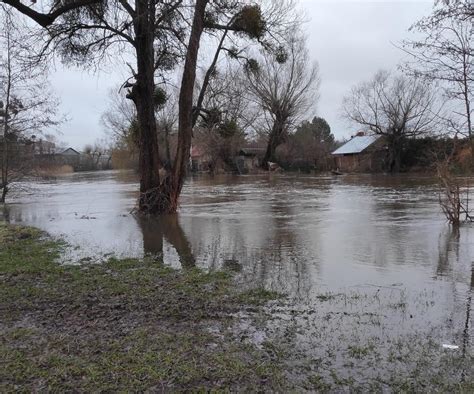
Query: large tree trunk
395	165
395	146
207	78
142	94
274	141
185	129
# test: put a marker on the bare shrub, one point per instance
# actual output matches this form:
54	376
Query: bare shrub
454	195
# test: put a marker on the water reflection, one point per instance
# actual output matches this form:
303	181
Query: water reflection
467	324
382	239
301	235
448	250
156	230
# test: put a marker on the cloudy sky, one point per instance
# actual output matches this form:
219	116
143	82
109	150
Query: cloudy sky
351	40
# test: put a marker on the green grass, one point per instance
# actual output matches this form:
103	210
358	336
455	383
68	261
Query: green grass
258	296
137	325
126	325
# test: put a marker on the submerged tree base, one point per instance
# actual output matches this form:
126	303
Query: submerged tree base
157	201
160	200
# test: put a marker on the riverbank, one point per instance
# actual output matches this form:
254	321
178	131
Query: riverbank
138	325
126	325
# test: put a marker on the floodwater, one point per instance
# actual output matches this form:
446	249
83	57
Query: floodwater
290	233
372	254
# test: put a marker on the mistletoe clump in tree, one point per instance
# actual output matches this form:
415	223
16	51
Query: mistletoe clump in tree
157	34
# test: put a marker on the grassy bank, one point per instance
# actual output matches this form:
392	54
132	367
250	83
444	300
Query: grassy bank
124	325
137	325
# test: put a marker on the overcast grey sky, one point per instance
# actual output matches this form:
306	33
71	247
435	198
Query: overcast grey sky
351	40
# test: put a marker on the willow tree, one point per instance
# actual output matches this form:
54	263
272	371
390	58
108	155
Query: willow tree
285	86
158	35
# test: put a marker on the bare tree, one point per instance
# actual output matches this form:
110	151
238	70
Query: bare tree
167	124
458	9
247	21
98	155
120	122
227	100
445	55
276	18
285	86
454	198
27	106
159	36
226	117
394	106
119	118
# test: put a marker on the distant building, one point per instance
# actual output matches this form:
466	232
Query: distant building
43	148
249	159
47	155
362	153
70	152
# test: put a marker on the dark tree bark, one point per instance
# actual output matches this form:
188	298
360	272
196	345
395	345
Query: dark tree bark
160	196
5	153
142	94
275	139
69	21
167	146
186	107
395	147
46	20
6	115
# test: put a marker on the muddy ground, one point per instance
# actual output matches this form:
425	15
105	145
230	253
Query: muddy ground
137	325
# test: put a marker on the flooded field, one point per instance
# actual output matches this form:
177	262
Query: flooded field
377	282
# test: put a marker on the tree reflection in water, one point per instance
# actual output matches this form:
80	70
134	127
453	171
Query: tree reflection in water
450	260
157	229
448	250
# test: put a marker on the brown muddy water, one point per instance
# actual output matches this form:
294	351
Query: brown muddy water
377	281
